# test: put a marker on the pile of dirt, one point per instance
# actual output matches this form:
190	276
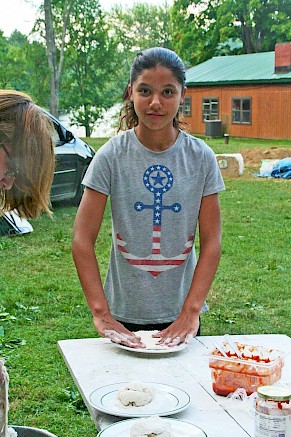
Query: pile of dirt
253	157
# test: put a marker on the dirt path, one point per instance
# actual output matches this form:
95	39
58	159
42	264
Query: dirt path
253	157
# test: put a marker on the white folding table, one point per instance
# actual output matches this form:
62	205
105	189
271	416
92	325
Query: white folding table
97	362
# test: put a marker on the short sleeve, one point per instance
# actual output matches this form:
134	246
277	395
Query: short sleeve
213	179
98	175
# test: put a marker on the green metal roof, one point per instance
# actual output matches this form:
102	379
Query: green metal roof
239	69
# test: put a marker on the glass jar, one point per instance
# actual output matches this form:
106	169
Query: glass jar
273	412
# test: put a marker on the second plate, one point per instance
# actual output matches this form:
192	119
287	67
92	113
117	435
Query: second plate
167	400
179	428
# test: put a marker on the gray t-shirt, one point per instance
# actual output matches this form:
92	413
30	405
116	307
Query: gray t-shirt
155	201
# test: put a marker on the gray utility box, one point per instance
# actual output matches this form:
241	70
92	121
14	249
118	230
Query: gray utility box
213	128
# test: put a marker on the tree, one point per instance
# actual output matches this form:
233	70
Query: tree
195	32
206	28
281	19
141	26
260	24
24	66
13	72
55	64
4	61
135	29
90	65
38	73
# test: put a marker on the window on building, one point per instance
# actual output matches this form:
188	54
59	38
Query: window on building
241	110
185	107
210	109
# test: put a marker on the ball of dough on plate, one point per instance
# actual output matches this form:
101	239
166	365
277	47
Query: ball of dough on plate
136	394
151	426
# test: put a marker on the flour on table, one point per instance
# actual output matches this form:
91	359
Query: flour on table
151	427
135	394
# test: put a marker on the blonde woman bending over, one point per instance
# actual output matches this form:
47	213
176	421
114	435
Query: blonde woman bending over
26	155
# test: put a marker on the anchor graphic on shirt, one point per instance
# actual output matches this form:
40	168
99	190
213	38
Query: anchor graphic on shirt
158	179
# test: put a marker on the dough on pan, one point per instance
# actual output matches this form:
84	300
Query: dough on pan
151	427
135	394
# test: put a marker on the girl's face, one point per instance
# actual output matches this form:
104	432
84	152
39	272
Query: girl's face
156	95
6	174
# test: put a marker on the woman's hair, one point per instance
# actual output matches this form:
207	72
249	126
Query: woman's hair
29	135
151	58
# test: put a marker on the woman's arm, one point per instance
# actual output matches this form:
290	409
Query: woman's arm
86	229
187	323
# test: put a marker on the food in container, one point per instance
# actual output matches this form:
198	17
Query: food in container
273	412
257	367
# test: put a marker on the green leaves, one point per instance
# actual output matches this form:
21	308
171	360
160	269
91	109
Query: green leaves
259	24
90	62
273	265
8	344
74	399
6	316
99	47
195	32
206	28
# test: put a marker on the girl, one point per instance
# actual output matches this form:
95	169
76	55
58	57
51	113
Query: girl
26	155
162	182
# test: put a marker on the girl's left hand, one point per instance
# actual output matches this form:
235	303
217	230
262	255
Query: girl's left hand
181	330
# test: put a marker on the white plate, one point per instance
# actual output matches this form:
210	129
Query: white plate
151	348
165	350
167	400
179	428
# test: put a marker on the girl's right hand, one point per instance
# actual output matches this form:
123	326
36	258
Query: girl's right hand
130	340
108	327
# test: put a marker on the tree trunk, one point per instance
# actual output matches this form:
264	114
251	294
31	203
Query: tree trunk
247	40
87	123
55	69
52	58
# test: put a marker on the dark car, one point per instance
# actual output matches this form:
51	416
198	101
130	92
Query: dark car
72	159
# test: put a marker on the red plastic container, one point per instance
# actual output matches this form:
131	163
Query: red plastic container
229	374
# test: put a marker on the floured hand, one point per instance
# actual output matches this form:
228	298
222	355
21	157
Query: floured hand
129	340
180	331
152	340
172	341
108	327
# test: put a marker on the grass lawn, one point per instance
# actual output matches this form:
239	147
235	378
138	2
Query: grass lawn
235	145
42	302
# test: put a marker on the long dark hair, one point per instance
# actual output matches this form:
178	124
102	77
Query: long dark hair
151	58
